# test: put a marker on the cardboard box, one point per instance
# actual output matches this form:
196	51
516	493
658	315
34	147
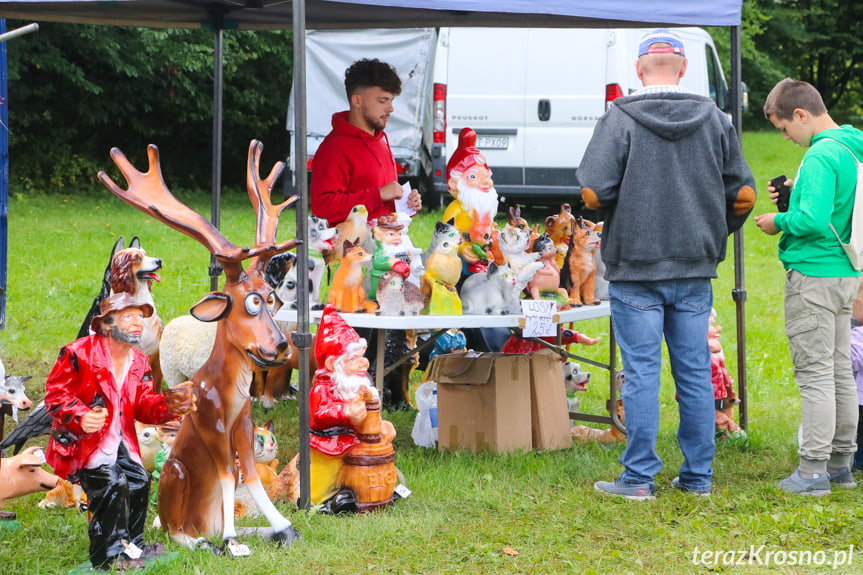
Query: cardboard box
483	401
549	412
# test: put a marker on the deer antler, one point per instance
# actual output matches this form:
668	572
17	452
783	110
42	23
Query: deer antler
148	193
266	213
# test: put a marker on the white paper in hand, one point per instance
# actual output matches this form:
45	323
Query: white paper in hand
538	317
402	203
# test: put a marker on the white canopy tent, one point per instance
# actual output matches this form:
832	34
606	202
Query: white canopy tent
220	15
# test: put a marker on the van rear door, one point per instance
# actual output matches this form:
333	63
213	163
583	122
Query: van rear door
564	97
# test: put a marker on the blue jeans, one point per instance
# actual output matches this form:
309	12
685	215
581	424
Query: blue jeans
641	312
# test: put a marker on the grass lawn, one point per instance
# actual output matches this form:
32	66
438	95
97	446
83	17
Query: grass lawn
465	508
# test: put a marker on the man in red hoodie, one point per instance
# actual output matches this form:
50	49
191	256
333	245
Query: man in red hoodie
354	164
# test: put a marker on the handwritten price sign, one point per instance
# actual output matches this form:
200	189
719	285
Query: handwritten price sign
538	318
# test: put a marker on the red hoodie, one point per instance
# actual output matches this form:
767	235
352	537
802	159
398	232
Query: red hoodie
349	168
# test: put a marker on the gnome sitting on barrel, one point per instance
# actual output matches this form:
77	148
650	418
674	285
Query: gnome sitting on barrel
352	457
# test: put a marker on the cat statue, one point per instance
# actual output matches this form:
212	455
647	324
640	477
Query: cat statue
397	296
266	449
514	242
443	270
489	293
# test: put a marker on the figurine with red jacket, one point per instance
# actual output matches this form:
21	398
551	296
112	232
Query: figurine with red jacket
98	387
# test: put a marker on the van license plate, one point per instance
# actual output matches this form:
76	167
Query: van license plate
492	142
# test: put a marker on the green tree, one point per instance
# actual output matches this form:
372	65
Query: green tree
818	41
75	91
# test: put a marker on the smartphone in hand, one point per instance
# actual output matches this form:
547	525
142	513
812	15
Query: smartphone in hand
784	198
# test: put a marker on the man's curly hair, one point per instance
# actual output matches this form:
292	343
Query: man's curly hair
367	73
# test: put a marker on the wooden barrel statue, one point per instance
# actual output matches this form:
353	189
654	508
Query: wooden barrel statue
369	468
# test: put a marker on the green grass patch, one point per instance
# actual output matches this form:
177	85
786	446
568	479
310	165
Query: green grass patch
465	508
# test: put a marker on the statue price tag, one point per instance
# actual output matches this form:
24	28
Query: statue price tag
538	318
238	549
403	491
132	550
41	456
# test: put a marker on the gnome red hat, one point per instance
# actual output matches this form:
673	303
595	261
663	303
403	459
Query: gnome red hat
467	154
334	335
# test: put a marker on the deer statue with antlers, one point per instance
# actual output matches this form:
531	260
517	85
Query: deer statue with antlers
198	482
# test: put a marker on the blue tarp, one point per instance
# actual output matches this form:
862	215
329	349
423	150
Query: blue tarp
322	14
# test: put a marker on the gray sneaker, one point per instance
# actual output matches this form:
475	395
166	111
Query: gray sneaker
675	483
842	477
817	486
622	488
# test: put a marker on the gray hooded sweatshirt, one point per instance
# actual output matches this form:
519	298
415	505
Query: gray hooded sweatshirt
666	169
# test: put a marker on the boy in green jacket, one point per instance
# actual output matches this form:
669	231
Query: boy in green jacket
820	283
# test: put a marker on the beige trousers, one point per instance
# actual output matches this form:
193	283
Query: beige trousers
818	326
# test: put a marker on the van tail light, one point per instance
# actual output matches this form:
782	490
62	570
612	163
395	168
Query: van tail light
612	93
309	163
439	125
402	167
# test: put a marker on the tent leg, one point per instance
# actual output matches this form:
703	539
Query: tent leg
218	55
739	292
303	336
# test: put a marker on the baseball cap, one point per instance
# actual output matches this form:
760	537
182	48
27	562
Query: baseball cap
660	36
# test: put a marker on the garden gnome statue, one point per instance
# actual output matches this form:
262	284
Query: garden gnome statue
389	254
470	183
723	386
352	457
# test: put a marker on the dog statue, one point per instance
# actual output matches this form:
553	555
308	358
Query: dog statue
579	272
584	434
559	228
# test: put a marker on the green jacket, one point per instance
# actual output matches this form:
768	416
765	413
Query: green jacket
823	193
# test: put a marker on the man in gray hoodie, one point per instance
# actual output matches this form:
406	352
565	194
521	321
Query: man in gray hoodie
666	169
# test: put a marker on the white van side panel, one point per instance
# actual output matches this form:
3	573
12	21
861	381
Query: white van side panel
564	97
485	91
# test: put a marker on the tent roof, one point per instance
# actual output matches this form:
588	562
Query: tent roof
277	14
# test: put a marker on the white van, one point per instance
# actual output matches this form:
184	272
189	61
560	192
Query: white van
533	96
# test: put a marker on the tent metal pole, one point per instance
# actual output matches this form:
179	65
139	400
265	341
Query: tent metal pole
218	54
302	337
739	292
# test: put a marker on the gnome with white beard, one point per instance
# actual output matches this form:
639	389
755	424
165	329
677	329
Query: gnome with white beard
340	413
470	183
